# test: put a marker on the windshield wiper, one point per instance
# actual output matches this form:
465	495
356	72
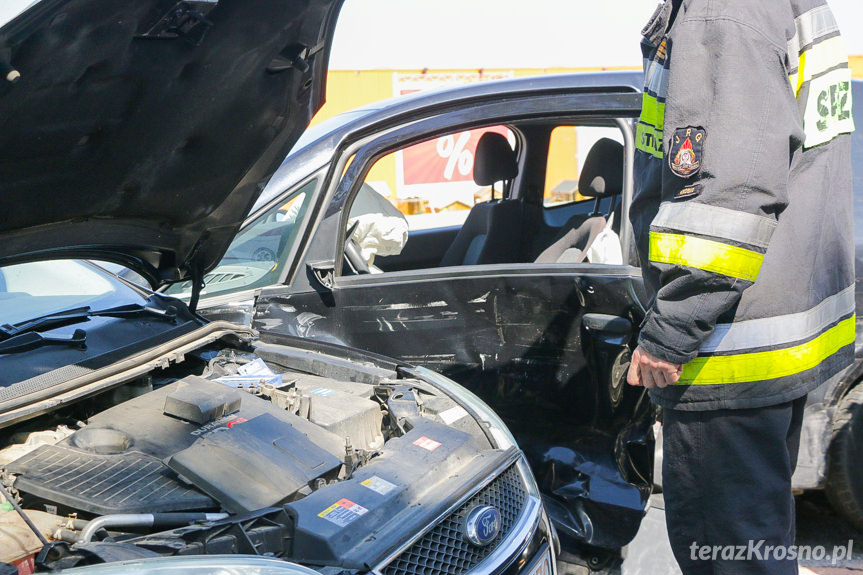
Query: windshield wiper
80	314
33	340
137	310
53	320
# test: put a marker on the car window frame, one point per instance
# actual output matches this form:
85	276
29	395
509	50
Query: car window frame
365	157
321	248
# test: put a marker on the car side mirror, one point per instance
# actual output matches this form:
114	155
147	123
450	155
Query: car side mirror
323	272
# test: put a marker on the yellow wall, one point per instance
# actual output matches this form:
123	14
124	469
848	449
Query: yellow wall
349	89
856	66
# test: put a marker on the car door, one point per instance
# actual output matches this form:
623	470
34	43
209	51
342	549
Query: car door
546	345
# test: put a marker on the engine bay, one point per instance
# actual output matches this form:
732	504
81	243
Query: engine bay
239	450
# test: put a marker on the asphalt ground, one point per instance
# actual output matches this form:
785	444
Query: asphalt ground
817	525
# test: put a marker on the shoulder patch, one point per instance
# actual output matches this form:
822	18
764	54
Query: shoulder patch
686	152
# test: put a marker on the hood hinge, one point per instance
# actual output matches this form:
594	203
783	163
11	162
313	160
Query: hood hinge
187	20
196	270
197	286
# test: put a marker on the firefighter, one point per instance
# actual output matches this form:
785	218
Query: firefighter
743	222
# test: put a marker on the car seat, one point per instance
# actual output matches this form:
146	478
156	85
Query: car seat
492	231
601	177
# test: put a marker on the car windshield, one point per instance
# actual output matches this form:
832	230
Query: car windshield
260	250
36	289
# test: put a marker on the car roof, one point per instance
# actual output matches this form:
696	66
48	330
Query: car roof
317	145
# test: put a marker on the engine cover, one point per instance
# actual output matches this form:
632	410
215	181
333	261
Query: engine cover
191	445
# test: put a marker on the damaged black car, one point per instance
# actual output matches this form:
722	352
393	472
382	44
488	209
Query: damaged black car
138	437
525	298
530	295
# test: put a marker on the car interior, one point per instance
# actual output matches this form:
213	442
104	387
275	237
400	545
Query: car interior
492	231
515	225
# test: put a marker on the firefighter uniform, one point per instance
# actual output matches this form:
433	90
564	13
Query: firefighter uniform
743	222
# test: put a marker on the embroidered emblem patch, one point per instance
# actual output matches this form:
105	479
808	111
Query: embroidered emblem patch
686	153
688	192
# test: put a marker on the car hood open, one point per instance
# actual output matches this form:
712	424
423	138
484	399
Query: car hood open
142	131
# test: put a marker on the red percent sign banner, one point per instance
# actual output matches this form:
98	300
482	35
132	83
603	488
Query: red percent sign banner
446	159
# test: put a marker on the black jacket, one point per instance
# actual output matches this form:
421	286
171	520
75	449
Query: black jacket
743	202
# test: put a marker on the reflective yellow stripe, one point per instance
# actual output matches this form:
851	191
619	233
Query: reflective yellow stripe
800	77
760	366
648	132
652	111
649	140
705	255
794	83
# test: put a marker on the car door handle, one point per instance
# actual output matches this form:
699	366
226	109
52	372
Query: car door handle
609	325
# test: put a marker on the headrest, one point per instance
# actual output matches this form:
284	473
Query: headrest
602	174
495	160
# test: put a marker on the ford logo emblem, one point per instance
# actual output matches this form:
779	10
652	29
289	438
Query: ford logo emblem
482	525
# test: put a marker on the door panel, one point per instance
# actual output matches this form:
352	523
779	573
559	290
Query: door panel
517	336
545	345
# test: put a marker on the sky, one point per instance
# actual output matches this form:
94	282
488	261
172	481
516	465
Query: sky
509	33
383	34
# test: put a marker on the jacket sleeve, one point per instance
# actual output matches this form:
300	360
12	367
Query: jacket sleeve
730	126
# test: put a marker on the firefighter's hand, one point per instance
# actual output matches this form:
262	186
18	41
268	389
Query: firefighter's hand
650	371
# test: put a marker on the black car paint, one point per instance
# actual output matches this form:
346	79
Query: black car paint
518	340
164	136
513	334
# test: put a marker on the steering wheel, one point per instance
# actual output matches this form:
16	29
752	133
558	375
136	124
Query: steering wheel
353	253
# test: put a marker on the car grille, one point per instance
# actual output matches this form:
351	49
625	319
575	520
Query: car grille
444	550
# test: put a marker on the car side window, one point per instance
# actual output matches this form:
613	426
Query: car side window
413	201
567	151
582	197
258	253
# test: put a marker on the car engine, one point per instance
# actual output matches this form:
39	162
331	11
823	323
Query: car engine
227	452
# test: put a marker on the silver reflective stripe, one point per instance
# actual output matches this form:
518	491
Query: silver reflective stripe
780	330
658	80
815	24
717	222
811	26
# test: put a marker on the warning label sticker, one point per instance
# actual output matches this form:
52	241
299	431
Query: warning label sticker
343	512
452	414
378	484
427	443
